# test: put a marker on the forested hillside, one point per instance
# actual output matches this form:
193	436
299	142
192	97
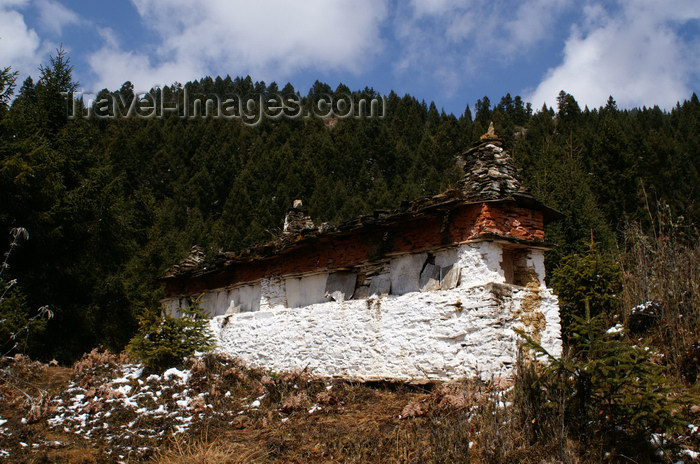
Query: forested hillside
110	203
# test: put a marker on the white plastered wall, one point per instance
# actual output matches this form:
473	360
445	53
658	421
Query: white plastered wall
467	328
418	336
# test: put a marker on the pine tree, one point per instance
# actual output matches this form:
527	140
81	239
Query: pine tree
54	91
611	392
164	340
7	87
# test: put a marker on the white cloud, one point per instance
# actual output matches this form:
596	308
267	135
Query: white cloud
532	22
54	16
6	4
20	46
457	37
114	67
270	40
637	56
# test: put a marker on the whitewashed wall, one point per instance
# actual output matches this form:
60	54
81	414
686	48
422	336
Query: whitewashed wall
422	321
469	264
418	336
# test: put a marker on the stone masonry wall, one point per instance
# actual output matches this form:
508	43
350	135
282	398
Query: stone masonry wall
421	316
418	336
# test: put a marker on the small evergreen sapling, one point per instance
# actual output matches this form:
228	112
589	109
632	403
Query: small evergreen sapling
165	341
592	277
613	392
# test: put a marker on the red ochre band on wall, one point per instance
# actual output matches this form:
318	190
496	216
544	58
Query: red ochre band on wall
425	231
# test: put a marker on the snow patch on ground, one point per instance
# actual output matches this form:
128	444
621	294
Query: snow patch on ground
616	329
89	411
182	376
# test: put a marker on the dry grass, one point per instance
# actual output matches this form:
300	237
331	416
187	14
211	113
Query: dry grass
100	359
26	386
471	422
664	269
201	451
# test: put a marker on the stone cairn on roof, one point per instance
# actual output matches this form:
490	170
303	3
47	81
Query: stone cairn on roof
489	172
297	219
193	261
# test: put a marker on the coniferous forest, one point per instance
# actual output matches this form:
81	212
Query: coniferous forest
110	203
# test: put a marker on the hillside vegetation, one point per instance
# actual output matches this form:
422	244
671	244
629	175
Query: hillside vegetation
97	208
214	410
111	203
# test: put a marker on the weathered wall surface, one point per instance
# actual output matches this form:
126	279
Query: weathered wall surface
431	231
466	265
421	316
418	336
435	290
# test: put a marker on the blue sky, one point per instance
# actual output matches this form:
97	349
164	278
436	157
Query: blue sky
452	52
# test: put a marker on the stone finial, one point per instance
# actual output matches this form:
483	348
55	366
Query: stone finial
193	261
489	171
195	257
490	133
297	220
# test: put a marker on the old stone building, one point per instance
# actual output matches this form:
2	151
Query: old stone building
434	290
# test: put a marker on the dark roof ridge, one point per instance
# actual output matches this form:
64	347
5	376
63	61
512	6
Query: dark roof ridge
490	176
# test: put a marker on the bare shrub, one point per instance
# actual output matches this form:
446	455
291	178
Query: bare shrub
99	360
295	402
661	289
21	384
523	422
455	396
413	409
326	398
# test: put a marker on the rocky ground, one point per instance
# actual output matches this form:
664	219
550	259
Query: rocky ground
108	409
